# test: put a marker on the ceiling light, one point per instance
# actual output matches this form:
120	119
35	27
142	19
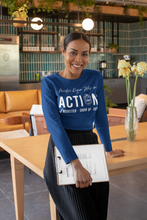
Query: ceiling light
36	26
87	24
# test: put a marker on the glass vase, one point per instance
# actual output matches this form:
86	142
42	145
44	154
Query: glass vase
131	123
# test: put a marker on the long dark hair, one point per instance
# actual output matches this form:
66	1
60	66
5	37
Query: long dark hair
75	36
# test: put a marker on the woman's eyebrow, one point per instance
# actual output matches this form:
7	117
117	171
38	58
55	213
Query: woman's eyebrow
73	49
77	50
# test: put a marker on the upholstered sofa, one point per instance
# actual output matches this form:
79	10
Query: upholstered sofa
14	103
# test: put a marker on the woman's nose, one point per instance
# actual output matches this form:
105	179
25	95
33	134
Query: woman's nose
78	58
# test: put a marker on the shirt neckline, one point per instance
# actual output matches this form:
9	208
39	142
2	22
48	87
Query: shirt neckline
73	80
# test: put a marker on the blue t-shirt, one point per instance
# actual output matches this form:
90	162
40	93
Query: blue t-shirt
74	105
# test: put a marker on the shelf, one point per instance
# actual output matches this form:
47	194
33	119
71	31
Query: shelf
38	32
95	34
40	51
109	52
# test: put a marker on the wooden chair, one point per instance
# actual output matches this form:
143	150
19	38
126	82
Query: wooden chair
117	116
16	120
28	116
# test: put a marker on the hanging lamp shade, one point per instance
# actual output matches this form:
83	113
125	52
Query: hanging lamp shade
36	26
87	24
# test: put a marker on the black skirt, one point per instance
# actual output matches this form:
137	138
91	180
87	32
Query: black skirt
74	203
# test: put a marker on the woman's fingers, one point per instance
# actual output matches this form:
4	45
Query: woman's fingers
116	153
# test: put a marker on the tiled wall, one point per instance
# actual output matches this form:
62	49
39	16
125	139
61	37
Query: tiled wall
138	42
132	40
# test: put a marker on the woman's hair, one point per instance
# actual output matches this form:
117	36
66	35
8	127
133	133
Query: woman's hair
75	36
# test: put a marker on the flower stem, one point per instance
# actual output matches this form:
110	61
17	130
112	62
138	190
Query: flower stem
134	92
127	91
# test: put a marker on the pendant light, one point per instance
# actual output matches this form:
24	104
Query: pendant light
87	24
36	26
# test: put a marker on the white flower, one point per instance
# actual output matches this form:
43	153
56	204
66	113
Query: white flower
123	64
141	68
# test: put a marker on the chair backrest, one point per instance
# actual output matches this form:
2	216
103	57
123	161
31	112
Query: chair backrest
30	124
16	120
144	115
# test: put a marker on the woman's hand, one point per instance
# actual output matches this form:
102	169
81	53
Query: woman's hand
82	176
116	153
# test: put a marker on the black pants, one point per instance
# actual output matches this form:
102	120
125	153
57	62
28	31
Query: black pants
74	203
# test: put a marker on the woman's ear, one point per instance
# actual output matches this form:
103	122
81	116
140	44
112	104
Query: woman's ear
63	51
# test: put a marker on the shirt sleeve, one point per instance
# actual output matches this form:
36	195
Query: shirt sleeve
53	121
101	120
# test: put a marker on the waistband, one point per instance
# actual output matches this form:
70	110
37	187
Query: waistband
68	131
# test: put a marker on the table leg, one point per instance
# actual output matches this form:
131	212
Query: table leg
17	169
53	210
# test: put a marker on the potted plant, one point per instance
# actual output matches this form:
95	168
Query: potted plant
20	14
114	10
47	5
108	101
113	47
137	11
84	5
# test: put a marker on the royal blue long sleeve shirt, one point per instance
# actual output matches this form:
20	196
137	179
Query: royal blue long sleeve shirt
74	105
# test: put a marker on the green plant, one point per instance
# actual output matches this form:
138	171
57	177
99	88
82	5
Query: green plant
46	5
111	46
11	5
141	10
108	101
21	12
83	5
15	11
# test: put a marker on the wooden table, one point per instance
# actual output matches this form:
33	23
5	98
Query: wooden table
31	152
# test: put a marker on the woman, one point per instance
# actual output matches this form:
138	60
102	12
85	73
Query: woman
72	100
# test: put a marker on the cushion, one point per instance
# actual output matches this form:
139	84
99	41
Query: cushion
3	115
140	105
143	96
20	100
2	102
17	113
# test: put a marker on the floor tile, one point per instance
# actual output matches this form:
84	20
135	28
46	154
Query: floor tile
124	206
32	182
36	206
134	183
7	210
2	195
5	166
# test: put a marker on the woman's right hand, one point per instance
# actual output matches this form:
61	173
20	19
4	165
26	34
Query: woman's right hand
82	176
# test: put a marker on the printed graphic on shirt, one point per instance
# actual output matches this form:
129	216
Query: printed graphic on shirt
71	102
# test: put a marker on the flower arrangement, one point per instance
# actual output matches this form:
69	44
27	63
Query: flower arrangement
125	70
21	12
131	119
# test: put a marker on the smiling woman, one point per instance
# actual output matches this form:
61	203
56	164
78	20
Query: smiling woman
72	101
76	53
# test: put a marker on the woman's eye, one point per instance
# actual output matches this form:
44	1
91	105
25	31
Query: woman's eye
72	53
85	54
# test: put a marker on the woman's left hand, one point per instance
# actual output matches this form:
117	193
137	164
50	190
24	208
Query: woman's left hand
115	153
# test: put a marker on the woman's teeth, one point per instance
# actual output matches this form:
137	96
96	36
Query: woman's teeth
76	65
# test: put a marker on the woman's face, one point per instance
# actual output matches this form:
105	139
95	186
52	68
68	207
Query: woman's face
76	58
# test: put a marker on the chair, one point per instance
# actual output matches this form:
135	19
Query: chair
31	129
15	133
117	116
